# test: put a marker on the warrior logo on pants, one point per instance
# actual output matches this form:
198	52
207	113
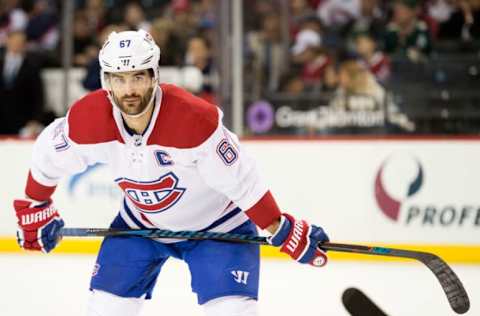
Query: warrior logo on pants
153	196
240	276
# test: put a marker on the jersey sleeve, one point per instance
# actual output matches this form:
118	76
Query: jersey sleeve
54	156
228	168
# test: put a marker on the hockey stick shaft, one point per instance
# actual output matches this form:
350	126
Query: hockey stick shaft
451	284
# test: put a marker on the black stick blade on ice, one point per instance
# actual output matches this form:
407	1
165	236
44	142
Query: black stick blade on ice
358	304
451	284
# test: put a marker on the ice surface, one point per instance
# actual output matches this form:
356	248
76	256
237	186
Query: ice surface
57	285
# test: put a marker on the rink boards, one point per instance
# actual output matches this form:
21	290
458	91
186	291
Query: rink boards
410	193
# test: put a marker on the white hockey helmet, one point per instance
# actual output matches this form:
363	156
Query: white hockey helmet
129	51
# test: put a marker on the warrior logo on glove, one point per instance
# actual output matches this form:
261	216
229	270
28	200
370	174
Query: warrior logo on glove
37	217
299	240
39	226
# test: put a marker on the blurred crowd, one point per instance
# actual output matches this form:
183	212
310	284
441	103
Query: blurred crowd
345	48
340	46
324	33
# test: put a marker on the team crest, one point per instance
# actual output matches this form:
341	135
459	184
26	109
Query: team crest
153	196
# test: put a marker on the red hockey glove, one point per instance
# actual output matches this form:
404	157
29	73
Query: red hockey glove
39	226
299	240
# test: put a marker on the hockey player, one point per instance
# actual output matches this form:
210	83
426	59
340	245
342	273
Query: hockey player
179	168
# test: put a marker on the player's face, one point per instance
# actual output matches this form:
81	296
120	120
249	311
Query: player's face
131	90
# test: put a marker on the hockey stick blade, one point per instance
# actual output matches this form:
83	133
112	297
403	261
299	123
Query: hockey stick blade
451	284
359	304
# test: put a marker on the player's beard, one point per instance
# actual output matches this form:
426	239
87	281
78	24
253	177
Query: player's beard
133	104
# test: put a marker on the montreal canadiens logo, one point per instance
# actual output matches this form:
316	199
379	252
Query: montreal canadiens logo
397	180
154	196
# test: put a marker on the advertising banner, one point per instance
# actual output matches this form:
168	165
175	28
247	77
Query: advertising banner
379	191
307	116
403	192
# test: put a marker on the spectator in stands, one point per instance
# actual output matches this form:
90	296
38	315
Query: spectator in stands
474	8
180	12
199	54
204	11
205	14
406	34
42	29
309	55
269	59
355	80
359	91
84	49
12	18
311	23
341	17
172	50
299	11
375	60
336	14
257	10
440	12
21	90
455	19
134	17
96	14
372	19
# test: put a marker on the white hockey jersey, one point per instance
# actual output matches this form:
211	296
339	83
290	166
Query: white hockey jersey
186	172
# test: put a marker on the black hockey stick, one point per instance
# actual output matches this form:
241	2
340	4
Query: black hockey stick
359	304
451	284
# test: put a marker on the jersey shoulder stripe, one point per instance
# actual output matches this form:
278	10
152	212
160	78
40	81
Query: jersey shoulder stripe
184	121
91	121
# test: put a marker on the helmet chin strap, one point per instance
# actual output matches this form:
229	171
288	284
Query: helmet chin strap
147	108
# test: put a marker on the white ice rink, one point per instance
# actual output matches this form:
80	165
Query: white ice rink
57	285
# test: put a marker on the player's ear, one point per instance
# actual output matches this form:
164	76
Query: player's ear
152	75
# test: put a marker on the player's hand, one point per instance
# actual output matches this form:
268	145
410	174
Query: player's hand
299	240
39	225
